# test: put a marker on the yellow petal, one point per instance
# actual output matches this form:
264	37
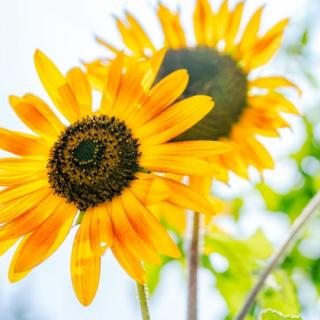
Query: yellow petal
148	226
272	83
175	120
12	178
201	184
202	20
129	38
81	88
181	195
197	148
222	17
266	47
12	275
234	25
250	35
172	29
173	216
129	263
162	95
30	220
16	207
85	265
55	84
274	100
22	144
7	245
140	35
107	45
36	115
112	84
46	239
178	165
150	191
19	191
128	237
100	230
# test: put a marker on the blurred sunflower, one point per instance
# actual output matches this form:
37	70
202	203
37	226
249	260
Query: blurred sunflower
220	65
96	169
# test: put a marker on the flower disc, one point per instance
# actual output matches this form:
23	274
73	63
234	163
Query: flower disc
93	161
216	75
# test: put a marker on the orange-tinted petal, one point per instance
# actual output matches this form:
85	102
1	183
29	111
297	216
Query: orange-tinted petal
22	144
46	239
85	265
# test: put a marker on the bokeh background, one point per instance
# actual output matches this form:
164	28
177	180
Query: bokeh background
262	211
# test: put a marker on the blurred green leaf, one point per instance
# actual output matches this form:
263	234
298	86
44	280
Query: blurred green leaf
153	274
244	258
280	294
276	315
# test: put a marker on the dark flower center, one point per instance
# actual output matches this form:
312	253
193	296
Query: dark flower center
93	161
216	75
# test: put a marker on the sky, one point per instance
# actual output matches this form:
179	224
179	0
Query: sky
64	30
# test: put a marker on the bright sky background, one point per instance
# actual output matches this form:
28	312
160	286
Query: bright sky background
64	30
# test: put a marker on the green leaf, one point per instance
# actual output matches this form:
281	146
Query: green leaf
280	294
244	258
276	315
153	273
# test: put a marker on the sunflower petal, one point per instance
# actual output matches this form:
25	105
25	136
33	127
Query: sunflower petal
234	25
175	120
178	165
172	29
250	35
22	144
85	265
100	230
272	83
81	88
30	220
37	115
46	239
179	194
128	237
188	148
148	226
162	95
55	85
202	21
129	263
17	276
16	207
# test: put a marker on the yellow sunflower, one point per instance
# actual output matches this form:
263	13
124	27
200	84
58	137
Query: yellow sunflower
220	65
93	168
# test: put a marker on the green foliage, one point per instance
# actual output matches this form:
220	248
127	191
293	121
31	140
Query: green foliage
244	259
280	294
276	315
153	273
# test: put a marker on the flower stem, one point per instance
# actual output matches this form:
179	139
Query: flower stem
193	263
305	215
142	294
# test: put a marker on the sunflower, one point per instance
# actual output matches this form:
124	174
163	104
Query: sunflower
220	65
91	168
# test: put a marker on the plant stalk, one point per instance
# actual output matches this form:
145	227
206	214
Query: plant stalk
303	218
142	294
193	264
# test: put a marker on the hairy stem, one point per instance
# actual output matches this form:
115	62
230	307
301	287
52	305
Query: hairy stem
193	263
303	218
142	294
